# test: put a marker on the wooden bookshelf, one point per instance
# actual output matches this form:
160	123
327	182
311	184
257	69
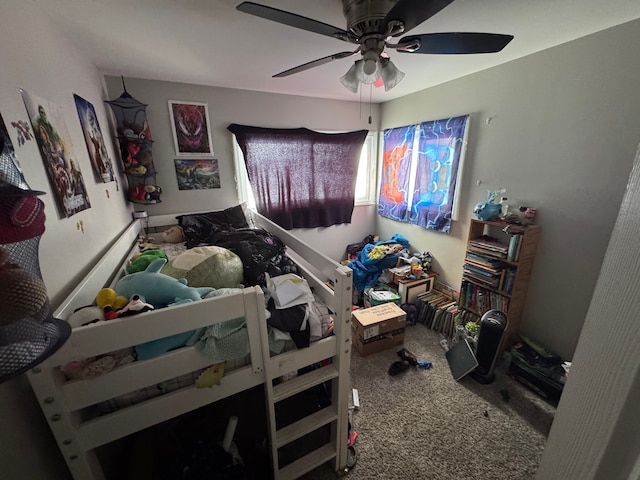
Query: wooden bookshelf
498	265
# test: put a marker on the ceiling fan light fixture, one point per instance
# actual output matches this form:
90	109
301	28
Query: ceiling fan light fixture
391	75
350	79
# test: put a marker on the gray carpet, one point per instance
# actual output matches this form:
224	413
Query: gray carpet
422	424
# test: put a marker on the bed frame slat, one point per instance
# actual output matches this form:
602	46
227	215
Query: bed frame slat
108	428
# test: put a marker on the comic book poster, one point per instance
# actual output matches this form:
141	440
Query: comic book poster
56	150
100	161
191	128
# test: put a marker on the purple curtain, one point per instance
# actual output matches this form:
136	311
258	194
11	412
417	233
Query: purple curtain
301	178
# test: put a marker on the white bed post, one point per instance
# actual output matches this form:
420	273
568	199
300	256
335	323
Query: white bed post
340	395
82	464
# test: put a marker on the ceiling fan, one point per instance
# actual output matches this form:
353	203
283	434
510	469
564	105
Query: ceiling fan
372	24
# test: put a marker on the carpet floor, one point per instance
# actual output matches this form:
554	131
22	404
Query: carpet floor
423	424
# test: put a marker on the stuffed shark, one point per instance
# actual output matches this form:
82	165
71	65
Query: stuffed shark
157	288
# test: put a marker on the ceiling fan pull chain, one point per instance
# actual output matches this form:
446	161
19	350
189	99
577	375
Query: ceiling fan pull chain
370	93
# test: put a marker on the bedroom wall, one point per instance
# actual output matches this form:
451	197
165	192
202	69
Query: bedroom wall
227	106
559	130
36	57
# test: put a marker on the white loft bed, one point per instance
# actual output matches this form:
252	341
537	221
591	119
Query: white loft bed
63	402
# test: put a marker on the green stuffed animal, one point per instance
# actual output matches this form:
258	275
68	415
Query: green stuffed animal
141	261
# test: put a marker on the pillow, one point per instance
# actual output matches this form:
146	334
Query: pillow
232	217
211	266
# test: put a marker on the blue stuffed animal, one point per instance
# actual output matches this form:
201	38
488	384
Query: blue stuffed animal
157	288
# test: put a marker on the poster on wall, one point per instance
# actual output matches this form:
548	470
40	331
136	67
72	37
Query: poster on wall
100	160
191	128
396	166
197	174
10	171
56	150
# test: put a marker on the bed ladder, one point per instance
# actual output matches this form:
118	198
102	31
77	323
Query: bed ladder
333	417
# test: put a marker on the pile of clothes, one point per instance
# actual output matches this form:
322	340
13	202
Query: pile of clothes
373	259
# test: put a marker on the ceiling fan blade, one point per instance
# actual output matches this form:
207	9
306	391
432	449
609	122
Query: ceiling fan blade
454	43
315	63
293	20
412	13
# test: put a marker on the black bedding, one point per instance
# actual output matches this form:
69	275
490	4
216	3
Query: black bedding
260	251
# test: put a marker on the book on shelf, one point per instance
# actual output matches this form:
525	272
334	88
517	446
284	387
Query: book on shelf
514	247
480	300
499	255
489	244
509	279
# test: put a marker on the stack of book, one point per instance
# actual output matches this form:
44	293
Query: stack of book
480	300
484	269
489	246
437	311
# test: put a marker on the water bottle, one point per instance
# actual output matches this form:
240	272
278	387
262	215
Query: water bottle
504	207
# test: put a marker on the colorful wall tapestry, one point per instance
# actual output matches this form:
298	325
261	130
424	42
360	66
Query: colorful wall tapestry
438	158
60	161
420	169
394	186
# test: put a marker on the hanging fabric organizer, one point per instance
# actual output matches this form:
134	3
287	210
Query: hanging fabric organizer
134	138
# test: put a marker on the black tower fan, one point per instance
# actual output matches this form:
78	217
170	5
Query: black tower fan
492	327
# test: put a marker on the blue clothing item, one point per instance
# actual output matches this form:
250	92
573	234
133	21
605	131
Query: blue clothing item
367	270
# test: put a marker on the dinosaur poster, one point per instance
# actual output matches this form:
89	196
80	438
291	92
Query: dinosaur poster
198	174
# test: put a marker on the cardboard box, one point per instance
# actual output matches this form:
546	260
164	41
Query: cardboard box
377	328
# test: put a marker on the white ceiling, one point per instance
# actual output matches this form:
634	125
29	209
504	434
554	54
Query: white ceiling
209	42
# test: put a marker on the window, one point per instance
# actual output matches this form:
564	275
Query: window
365	193
366	179
422	165
301	178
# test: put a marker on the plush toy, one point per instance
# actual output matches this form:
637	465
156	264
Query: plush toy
140	261
23	294
173	234
136	305
132	151
157	288
107	297
152	193
137	170
139	193
86	316
210	376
